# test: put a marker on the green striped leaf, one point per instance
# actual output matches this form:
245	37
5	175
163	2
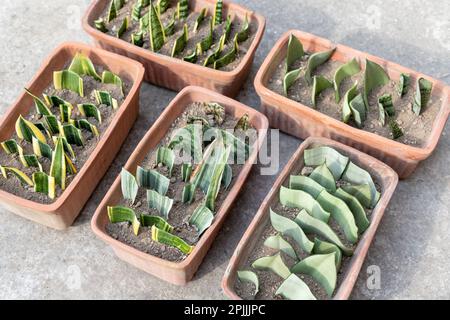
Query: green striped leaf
104	97
69	80
45	184
217	18
202	219
26	130
83	66
403	84
278	243
153	180
301	200
58	166
272	263
123	214
52	123
100	25
160	223
322	268
346	70
293	288
129	185
422	96
227	177
294	52
136	13
72	134
228	57
169	28
316	60
42	149
200	18
162	6
29	160
320	84
123	27
336	162
65	113
206	43
137	38
183	9
11	146
112	11
374	76
89	110
67	147
188	193
144	3
395	129
249	276
86	125
70	168
23	178
359	176
41	107
322	175
385	108
159	202
216	54
55	101
165	156
166	238
156	32
356	208
192	57
227	28
244	33
305	184
323	247
216	179
180	42
186	170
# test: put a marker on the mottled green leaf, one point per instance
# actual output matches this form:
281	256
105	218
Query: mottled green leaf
323	247
403	84
100	25
358	110
306	184
349	96
244	33
112	12
90	110
109	77
153	180
11	146
104	97
201	16
357	175
229	57
356	208
156	32
160	223
72	134
180	42
289	79
202	219
58	166
217	18
422	96
159	202
26	130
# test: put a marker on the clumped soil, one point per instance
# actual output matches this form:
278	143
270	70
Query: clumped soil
180	213
269	282
194	37
416	129
13	185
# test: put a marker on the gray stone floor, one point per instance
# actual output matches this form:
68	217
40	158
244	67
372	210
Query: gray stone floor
412	244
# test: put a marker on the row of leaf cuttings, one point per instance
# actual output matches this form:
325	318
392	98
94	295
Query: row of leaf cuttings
149	18
53	137
355	104
336	189
212	173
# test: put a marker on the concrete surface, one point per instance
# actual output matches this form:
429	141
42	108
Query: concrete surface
411	248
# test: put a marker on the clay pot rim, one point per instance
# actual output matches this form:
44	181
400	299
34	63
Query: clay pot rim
420	152
95	223
359	255
164	59
52	208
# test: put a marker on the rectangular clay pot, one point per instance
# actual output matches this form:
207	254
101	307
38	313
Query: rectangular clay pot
173	73
178	272
301	121
61	213
386	178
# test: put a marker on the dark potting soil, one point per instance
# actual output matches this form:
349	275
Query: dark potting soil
194	37
180	213
416	129
13	185
269	282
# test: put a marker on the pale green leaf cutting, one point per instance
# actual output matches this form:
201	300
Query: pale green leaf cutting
355	206
323	247
249	276
322	268
123	214
289	228
293	288
160	223
216	179
302	200
294	52
166	157
346	70
41	107
169	239
159	202
306	184
361	192
340	213
153	180
156	32
320	84
129	185
216	54
119	4
227	177
358	110
278	243
69	80
320	228
82	65
23	178
289	79
109	77
336	162
186	170
272	263
357	175
349	96
58	166
180	42
202	219
374	76
385	107
323	176
44	183
316	60
422	96
217	18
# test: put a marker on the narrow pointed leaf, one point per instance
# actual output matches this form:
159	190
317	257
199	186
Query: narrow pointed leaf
153	180
58	166
249	276
112	12
272	263
320	228
346	70
397	132
316	60
289	228
72	134
192	57
322	268
166	238
302	200
129	185
65	113
200	18
69	80
293	288
423	94
11	146
349	96
320	84
123	27
123	214
156	32
356	208
136	13
137	38
216	179
163	5
334	161
160	223
357	175
159	202
188	193
169	28
186	170
289	79
183	9
41	107
23	178
217	18
229	57
244	33
67	147
90	110
227	28
323	247
227	177
26	130
374	76
306	184
70	167
180	42
100	25
202	219
44	183
109	77
278	243
104	97
323	176
294	52
216	54
82	66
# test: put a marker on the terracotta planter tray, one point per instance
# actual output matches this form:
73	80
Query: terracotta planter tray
383	175
175	74
301	121
178	272
61	213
